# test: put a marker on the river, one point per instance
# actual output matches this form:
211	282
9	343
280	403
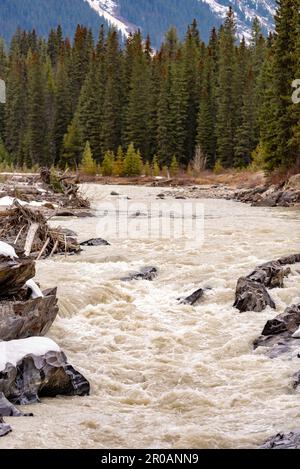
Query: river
162	374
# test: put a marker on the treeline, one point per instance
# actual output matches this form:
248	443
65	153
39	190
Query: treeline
229	103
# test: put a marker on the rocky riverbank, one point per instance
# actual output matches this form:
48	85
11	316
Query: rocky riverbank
265	195
31	366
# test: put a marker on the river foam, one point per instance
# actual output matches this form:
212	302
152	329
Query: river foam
163	374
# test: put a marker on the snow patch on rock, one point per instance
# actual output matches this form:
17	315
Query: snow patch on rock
15	350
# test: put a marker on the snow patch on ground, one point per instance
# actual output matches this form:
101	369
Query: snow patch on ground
15	350
8	202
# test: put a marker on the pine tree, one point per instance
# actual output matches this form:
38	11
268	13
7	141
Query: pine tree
155	166
245	136
108	163
133	163
88	164
112	114
226	118
137	116
118	167
38	138
279	121
174	168
72	146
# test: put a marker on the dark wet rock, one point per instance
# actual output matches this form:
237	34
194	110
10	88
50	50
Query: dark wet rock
192	299
252	296
14	274
95	242
271	274
146	273
277	335
41	376
7	409
139	214
4	428
251	291
27	318
114	193
160	196
283	441
77	214
180	197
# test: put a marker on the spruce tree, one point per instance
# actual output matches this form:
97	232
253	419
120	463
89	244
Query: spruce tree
88	164
226	117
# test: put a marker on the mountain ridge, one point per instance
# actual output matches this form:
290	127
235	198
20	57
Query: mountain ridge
153	17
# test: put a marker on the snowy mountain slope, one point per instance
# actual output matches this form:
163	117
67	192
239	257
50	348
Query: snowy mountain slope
128	15
246	11
153	17
109	9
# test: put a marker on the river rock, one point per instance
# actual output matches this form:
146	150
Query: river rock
294	182
31	317
7	409
277	334
4	427
34	368
146	273
193	298
284	441
252	296
271	274
95	242
13	274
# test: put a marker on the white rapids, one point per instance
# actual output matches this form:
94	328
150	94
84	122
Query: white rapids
164	374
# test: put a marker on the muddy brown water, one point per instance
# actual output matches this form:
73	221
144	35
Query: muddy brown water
163	374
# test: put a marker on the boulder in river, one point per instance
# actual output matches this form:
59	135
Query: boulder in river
95	242
278	332
36	367
271	274
22	318
283	441
7	409
252	296
193	298
146	273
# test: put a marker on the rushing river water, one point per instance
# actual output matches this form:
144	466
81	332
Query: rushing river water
165	375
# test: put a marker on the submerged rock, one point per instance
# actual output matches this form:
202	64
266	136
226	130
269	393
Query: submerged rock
193	298
34	368
252	296
146	273
283	441
95	242
28	317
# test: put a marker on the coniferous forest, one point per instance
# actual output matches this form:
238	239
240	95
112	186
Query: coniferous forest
95	99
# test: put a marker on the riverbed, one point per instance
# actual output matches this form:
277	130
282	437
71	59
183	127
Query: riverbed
164	374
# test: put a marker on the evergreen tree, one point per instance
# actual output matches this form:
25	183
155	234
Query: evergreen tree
108	164
279	121
72	146
88	165
226	118
112	114
133	163
174	168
